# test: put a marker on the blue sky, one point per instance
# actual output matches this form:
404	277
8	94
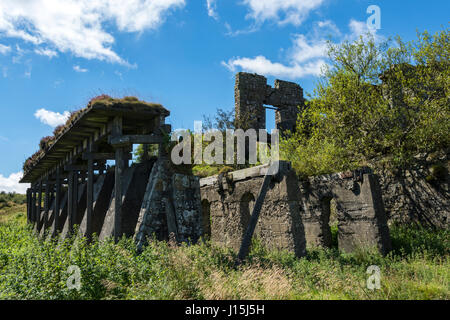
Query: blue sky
57	54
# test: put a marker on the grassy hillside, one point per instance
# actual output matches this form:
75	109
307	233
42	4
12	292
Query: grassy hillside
418	268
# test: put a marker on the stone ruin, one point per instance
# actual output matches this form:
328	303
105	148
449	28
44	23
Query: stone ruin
252	94
156	201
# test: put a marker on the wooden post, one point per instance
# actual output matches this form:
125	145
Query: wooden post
46	202
39	209
145	152
90	194
33	204
57	199
75	198
116	131
28	205
70	200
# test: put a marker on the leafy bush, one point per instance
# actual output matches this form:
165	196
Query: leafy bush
37	269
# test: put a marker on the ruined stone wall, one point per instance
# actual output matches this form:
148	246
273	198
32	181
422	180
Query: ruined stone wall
296	214
360	213
252	93
171	204
230	205
418	194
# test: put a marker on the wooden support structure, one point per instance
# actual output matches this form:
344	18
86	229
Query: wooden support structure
28	205
99	133
75	199
39	207
125	140
33	204
117	131
90	193
102	156
81	167
46	202
57	200
70	201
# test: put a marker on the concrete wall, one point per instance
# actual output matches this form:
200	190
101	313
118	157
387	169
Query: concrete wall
230	207
171	204
359	207
415	195
295	215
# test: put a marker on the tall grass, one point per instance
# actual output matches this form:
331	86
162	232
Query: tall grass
37	269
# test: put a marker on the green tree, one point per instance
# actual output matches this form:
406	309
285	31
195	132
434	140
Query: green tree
375	100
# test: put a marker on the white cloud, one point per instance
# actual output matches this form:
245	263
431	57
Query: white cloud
262	65
308	54
360	28
329	26
4	49
212	8
46	52
79	69
306	58
51	118
281	11
79	26
11	183
305	50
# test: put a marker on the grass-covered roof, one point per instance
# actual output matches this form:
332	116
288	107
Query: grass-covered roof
127	106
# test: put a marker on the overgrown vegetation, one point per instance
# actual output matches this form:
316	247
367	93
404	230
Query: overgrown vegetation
418	268
376	100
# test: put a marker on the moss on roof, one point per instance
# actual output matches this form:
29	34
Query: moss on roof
105	100
101	100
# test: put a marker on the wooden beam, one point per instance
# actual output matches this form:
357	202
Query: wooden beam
103	156
39	209
33	204
29	205
90	193
117	131
124	140
57	199
75	199
80	167
70	201
46	202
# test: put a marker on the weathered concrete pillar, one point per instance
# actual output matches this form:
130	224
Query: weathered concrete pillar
280	223
360	212
362	220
